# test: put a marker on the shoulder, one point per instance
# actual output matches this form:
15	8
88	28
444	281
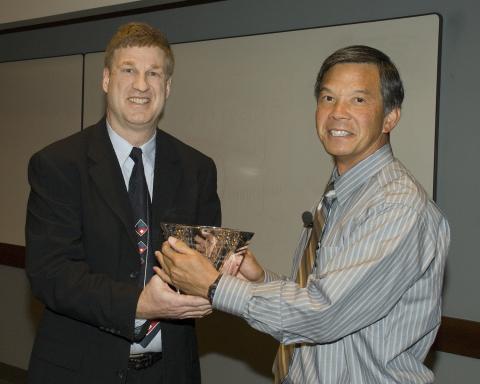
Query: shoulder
398	187
183	151
71	147
67	157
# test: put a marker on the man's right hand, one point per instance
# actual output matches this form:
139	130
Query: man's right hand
250	269
159	301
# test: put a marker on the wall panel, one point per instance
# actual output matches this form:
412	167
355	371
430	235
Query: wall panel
40	102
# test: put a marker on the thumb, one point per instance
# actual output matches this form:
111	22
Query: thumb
178	245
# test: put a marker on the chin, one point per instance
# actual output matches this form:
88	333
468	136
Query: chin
140	121
335	150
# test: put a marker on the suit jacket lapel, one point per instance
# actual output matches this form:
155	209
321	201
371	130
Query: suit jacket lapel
168	174
107	176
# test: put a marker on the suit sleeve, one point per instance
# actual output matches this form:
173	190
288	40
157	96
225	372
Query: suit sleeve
56	263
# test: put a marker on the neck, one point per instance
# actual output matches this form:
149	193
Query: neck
136	137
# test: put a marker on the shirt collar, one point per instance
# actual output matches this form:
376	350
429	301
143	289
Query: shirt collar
360	174
123	148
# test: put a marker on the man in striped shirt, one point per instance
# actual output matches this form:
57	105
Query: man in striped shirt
371	306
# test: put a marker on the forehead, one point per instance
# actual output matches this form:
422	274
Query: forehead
352	76
146	55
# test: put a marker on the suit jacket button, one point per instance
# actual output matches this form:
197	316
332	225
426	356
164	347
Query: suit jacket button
134	275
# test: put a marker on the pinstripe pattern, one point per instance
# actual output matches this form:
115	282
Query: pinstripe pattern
305	267
371	308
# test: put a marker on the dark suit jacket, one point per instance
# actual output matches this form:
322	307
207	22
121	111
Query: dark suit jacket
82	260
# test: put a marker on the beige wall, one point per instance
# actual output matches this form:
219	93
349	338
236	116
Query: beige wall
40	101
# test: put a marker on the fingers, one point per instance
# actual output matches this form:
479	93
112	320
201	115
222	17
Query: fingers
164	272
192	307
161	273
165	303
164	261
195	314
200	244
193	301
232	264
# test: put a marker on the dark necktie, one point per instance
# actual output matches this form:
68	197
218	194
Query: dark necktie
285	352
141	208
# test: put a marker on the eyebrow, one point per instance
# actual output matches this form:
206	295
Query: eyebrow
126	62
362	91
129	62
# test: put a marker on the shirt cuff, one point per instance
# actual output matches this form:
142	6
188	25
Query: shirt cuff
271	276
232	295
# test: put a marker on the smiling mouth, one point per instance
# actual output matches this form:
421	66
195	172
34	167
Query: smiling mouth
338	133
139	100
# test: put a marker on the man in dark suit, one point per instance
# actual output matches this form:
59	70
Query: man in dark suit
104	322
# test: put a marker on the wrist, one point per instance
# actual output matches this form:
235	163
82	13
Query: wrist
212	288
261	279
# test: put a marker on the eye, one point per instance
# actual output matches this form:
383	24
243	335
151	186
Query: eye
127	70
359	100
327	98
153	73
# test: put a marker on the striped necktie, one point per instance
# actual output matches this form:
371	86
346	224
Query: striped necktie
307	262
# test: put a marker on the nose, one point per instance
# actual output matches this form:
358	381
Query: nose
140	83
339	110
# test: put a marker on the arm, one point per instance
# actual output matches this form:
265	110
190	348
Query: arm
193	274
158	300
360	283
60	270
56	263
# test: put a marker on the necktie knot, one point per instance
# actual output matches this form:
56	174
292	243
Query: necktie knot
136	154
329	195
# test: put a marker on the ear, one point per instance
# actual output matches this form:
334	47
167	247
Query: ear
390	120
106	79
168	85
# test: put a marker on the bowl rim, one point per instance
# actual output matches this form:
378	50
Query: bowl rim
207	226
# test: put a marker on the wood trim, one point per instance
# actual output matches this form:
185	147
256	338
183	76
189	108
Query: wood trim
12	255
11	374
457	336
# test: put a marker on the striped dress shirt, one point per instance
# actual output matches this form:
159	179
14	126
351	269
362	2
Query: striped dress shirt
372	306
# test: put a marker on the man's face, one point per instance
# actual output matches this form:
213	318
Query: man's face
350	120
136	88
